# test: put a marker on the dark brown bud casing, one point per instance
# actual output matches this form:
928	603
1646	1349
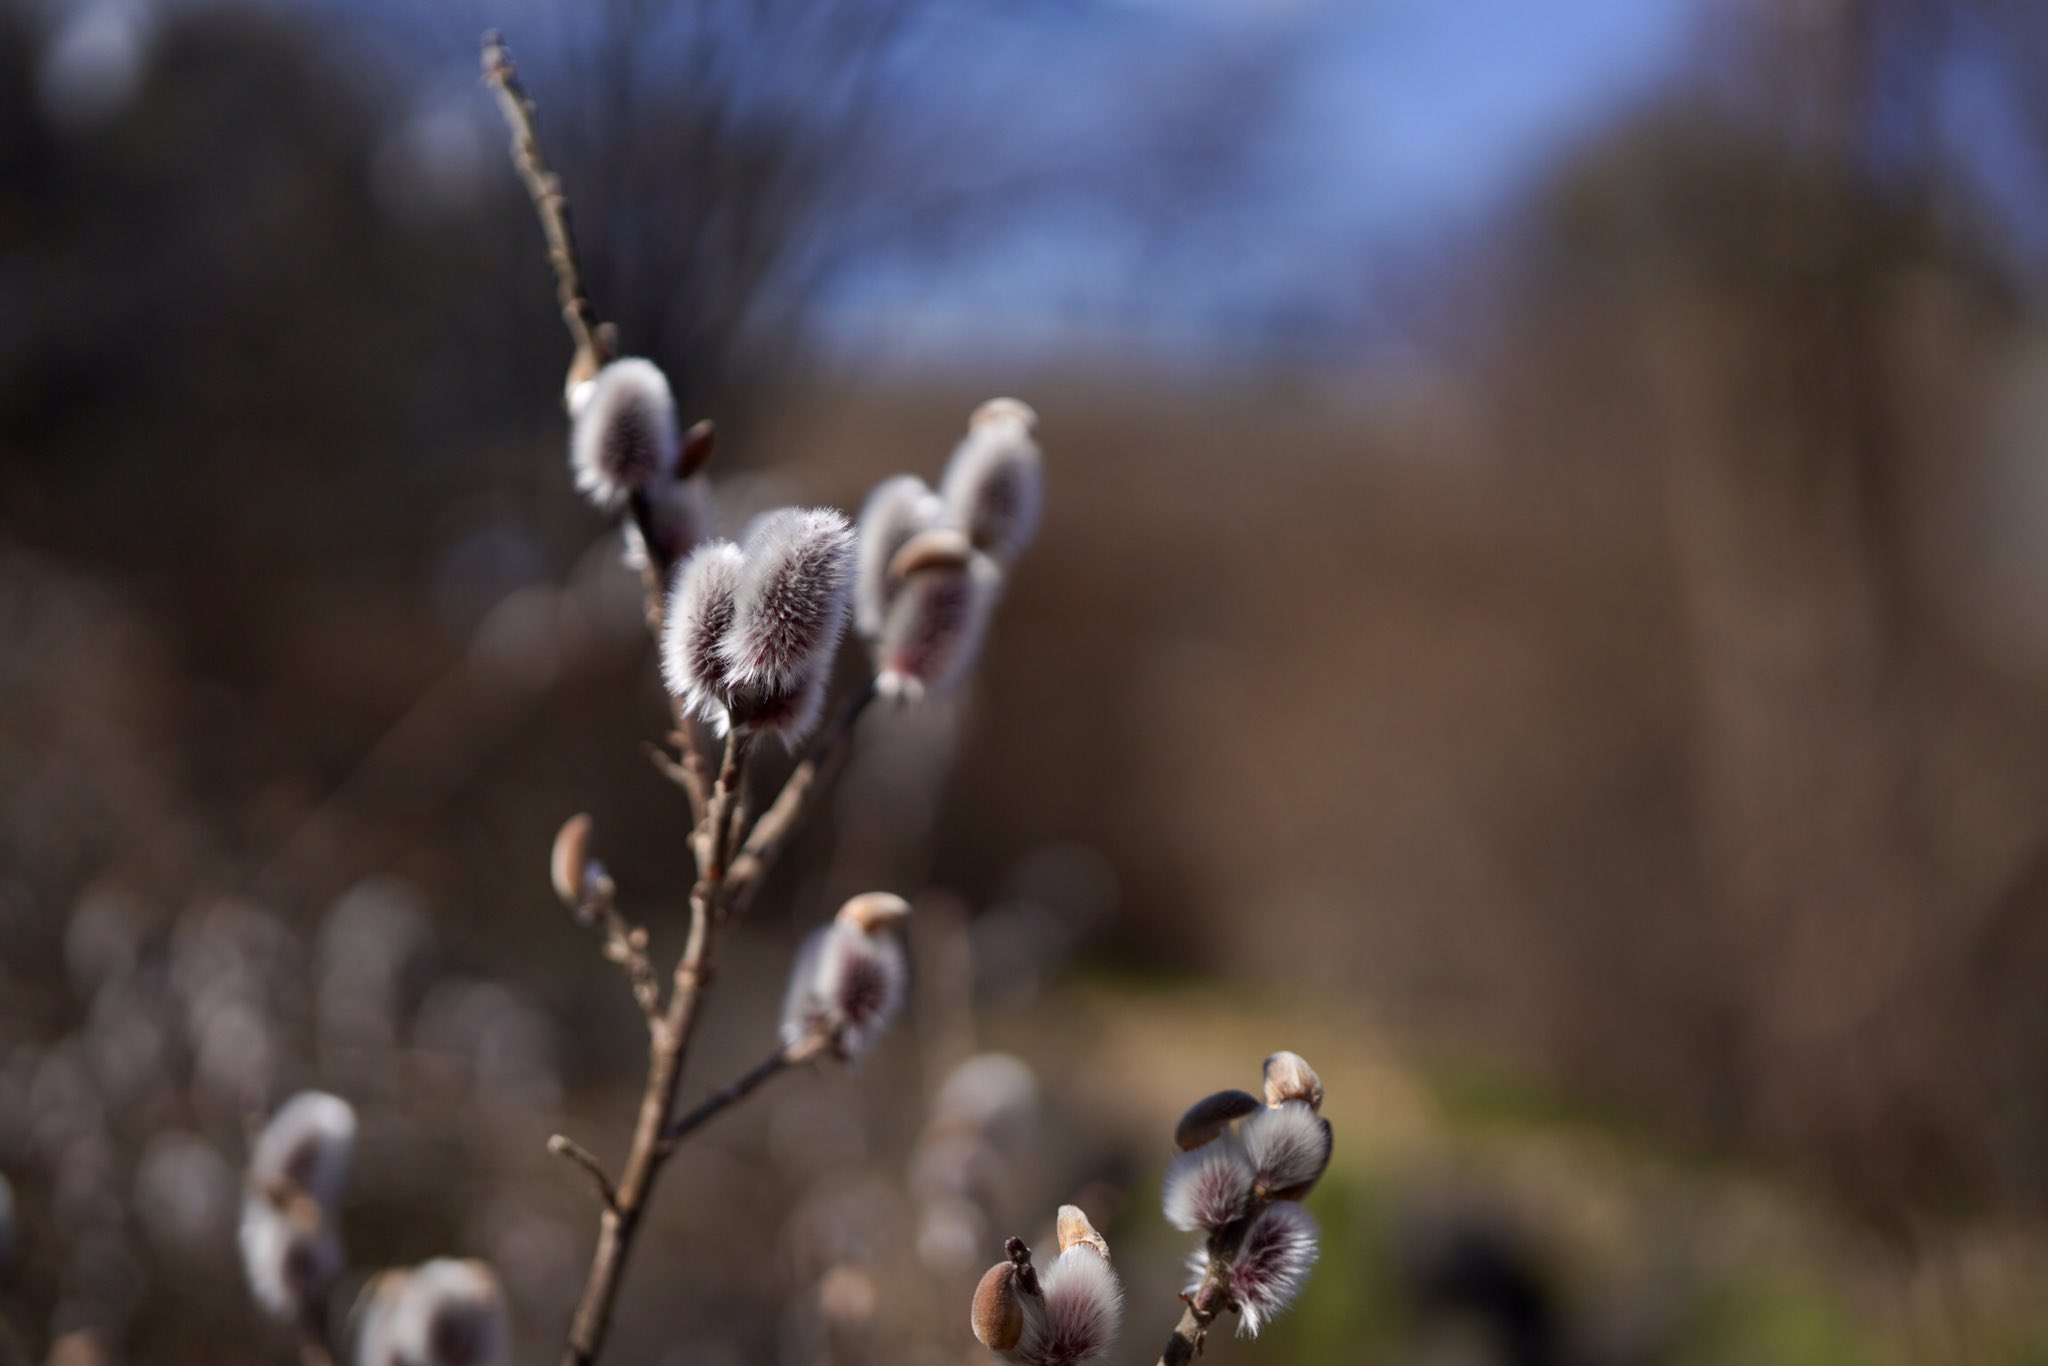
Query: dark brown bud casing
1207	1118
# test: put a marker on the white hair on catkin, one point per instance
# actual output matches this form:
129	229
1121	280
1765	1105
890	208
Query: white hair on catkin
1208	1188
700	611
994	486
935	627
1271	1265
448	1313
623	437
896	510
790	604
1081	1313
1289	1145
306	1147
290	1254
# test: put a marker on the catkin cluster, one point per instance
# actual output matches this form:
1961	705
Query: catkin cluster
444	1313
751	626
1067	1313
1244	1166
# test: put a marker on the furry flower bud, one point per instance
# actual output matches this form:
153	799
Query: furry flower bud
306	1149
935	623
1289	1146
1083	1310
291	1251
1289	1077
1209	1188
897	510
623	437
994	486
997	1315
443	1313
790	604
850	977
700	612
1208	1118
1270	1265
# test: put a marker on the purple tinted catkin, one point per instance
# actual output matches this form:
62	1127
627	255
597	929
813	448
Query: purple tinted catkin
994	489
789	606
290	1243
934	627
623	438
897	510
850	977
701	608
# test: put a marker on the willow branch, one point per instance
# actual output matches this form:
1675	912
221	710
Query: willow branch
544	187
670	1042
737	1090
624	943
764	843
561	1145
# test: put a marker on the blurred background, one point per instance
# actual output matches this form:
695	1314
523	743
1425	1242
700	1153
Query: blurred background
1543	610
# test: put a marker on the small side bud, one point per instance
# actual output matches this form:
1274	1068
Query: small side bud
698	444
623	437
1289	1077
994	486
570	862
1289	1148
898	509
1208	1118
997	1316
700	612
1075	1231
790	604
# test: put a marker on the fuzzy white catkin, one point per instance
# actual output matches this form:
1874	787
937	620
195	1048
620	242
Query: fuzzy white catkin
1271	1265
847	983
790	604
443	1313
290	1254
994	486
306	1146
1208	1188
1080	1314
623	437
700	612
1289	1146
898	509
934	629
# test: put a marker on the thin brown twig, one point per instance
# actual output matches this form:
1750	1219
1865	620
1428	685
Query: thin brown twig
763	844
624	943
561	1145
593	339
670	1038
737	1090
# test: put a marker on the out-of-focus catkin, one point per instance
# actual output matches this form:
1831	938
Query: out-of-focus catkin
994	487
623	437
850	977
